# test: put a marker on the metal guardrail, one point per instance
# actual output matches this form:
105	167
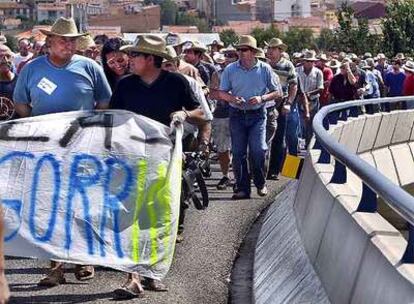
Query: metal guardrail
373	182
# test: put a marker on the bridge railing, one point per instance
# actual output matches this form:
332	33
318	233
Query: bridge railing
374	184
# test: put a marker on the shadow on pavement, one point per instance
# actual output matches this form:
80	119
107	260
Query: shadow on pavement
37	270
65	299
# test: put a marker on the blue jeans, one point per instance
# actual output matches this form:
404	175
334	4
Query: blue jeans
307	129
248	130
287	133
292	130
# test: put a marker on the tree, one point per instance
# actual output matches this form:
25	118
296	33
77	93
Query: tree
264	35
169	12
12	42
299	39
229	37
187	19
326	40
398	27
353	33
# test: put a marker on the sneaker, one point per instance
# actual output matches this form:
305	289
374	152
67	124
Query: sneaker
223	183
263	191
240	195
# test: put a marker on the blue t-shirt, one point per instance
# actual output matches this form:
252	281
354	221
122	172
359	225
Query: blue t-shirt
257	81
79	85
395	83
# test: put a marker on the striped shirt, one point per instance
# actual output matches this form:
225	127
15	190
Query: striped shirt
286	72
310	82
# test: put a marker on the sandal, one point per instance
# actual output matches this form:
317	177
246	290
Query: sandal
54	278
129	291
154	285
83	273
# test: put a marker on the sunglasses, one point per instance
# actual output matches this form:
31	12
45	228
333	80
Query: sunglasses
135	54
243	50
230	55
117	61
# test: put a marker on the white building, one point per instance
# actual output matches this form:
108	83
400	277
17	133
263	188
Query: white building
278	10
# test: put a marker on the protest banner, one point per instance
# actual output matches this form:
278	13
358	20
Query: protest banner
93	188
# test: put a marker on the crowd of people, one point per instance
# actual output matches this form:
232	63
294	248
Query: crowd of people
249	105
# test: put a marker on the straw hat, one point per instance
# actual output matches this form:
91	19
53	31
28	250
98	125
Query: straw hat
219	58
277	43
171	53
84	43
370	62
229	49
219	44
334	64
323	57
309	56
261	54
173	39
195	46
381	56
297	55
249	41
63	27
148	44
367	55
352	56
409	66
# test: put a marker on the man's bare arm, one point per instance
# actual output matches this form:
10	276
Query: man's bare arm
23	110
102	105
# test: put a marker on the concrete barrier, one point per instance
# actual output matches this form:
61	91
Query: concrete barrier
369	133
356	255
386	130
403	127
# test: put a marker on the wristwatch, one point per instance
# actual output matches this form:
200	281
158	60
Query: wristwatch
261	99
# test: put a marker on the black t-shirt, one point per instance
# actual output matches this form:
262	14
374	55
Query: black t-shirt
341	89
167	94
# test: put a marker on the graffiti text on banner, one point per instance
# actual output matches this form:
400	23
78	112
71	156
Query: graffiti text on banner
111	203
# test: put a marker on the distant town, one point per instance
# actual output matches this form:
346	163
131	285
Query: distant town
24	18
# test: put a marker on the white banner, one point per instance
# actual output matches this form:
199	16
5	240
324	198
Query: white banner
94	188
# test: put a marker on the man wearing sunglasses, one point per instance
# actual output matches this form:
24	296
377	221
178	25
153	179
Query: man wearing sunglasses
152	92
157	94
247	85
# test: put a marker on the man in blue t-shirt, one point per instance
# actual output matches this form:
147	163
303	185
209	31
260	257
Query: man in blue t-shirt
394	80
61	82
247	85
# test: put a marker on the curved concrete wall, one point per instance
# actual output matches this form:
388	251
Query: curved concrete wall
357	255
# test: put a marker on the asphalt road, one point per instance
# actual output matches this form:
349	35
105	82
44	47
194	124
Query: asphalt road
200	272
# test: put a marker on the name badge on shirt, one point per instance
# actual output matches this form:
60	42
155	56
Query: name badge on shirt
46	86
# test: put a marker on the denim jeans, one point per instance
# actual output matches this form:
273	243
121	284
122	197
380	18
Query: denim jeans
248	130
307	129
292	130
287	133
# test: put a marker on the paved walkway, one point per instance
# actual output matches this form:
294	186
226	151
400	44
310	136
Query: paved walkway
201	269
